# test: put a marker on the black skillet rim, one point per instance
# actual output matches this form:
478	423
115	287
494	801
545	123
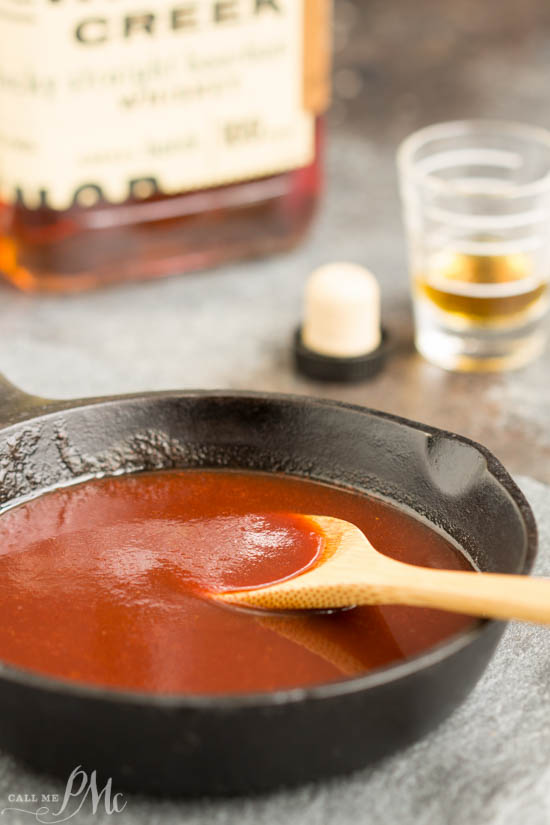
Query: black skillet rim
326	690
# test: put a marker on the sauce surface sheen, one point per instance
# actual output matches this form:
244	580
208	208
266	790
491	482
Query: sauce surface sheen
104	583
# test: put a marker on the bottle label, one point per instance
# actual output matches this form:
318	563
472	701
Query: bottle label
107	100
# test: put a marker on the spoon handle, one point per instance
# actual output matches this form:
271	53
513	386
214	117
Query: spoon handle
491	595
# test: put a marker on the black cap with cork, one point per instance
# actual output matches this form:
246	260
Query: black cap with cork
341	338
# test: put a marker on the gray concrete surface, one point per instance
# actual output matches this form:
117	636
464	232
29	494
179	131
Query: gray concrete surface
398	66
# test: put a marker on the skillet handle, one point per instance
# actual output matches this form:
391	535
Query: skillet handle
16	405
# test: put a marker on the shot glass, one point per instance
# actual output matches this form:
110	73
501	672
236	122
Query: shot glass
476	201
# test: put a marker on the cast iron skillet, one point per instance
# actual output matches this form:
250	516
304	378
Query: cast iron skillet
249	743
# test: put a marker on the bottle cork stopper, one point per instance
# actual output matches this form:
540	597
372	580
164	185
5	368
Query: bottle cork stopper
342	311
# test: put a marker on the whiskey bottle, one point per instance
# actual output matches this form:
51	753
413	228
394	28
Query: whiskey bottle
137	143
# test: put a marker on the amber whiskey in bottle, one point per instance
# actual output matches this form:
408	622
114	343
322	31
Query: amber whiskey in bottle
138	143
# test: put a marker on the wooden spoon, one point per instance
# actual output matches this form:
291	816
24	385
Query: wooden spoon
351	572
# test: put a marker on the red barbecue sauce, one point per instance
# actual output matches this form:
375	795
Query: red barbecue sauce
105	583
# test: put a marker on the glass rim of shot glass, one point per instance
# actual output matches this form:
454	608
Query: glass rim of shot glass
420	175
